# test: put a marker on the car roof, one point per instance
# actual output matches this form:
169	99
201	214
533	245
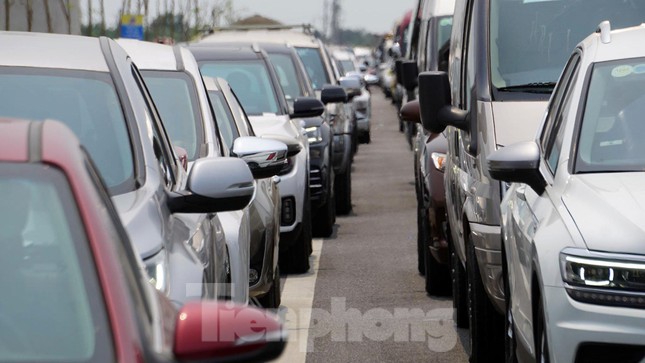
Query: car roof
52	51
152	55
228	51
281	36
623	44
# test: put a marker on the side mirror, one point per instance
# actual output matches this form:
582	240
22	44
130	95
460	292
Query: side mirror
410	112
214	185
264	157
352	86
362	68
208	330
304	107
333	94
293	145
435	104
398	70
518	163
410	73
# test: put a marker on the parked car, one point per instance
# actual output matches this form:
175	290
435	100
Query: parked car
103	99
362	103
324	79
296	84
73	286
429	52
509	76
172	76
571	220
234	125
253	78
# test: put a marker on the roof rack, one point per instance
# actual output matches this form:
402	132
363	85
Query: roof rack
306	28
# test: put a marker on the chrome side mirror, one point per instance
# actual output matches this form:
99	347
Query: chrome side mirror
265	157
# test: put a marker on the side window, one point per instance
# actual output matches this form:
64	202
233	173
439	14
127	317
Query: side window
162	148
468	70
552	133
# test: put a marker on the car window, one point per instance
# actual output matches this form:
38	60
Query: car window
176	100
224	119
286	71
612	124
346	66
551	136
530	41
251	82
87	103
313	61
52	307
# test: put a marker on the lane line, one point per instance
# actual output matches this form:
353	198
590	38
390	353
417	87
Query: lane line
297	301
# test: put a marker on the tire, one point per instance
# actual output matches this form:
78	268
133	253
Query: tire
272	299
541	341
510	342
365	138
486	324
343	185
324	219
459	289
421	266
437	277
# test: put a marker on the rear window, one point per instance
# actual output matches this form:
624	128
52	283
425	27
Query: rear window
313	61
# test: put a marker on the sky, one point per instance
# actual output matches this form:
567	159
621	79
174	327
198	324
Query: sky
377	16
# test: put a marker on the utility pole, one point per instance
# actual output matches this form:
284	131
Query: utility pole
335	21
326	18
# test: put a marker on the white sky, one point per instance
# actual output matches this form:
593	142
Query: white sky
376	16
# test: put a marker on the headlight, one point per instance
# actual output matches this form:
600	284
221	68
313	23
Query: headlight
314	134
157	269
439	161
603	279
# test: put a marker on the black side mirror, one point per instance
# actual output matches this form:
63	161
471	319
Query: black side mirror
333	94
398	70
435	104
410	72
352	85
304	107
518	163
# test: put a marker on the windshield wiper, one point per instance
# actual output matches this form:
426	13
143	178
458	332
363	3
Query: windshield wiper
534	87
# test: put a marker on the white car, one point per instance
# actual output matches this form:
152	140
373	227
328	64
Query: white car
172	75
572	221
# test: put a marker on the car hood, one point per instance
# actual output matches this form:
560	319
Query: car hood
608	210
517	121
140	214
270	124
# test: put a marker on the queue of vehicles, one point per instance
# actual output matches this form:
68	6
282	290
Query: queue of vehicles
156	180
539	242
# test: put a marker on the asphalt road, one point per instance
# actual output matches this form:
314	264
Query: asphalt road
364	301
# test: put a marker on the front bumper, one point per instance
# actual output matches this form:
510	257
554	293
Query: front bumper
581	332
292	186
319	173
487	242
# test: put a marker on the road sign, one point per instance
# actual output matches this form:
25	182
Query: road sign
132	26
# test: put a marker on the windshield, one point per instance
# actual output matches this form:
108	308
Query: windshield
86	102
224	118
286	70
251	82
346	66
531	40
51	308
312	59
174	95
613	119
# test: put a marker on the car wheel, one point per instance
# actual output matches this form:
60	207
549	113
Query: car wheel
272	299
542	343
343	184
324	219
437	276
486	324
295	259
459	289
510	344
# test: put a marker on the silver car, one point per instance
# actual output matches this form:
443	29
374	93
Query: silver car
92	86
572	221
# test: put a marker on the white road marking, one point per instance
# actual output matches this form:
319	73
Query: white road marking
297	302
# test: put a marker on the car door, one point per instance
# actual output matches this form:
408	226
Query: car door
530	210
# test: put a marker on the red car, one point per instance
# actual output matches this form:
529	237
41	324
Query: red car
71	286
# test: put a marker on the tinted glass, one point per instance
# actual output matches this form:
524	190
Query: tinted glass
51	306
312	59
86	102
613	123
286	70
174	95
251	82
530	41
224	118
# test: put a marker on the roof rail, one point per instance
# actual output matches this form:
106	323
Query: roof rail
604	29
306	28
